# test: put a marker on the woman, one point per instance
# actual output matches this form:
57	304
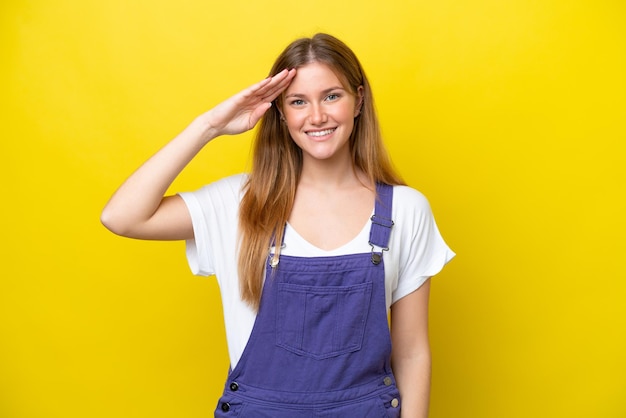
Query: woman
311	249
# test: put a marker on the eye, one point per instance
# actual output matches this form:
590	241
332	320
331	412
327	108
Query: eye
297	102
332	97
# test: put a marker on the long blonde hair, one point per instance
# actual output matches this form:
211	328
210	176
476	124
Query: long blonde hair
277	161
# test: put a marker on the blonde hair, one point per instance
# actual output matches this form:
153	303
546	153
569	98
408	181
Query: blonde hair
277	160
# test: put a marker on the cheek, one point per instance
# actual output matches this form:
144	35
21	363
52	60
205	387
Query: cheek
347	117
291	124
348	111
294	119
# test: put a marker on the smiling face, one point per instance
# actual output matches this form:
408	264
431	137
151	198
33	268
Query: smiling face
319	111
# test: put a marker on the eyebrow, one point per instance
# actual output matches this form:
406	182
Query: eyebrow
323	92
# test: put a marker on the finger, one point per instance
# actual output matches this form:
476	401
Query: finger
254	89
261	86
267	89
272	80
273	91
258	112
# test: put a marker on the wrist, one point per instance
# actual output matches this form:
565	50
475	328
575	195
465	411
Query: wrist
203	130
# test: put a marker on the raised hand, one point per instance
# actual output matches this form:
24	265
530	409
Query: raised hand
242	111
139	210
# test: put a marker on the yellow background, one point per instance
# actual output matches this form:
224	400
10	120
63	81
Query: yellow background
508	114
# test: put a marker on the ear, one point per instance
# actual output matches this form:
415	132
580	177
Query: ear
277	103
359	102
280	110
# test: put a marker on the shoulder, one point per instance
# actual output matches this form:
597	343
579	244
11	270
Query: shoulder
407	198
231	186
223	194
411	209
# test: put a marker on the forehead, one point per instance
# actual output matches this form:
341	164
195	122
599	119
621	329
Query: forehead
315	77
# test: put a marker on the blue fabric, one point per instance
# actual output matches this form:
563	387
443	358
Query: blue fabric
320	346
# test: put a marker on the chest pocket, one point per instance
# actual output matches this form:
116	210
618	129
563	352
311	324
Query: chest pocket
322	321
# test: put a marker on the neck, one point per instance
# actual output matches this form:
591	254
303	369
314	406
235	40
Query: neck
331	174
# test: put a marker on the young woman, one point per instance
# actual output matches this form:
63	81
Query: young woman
311	249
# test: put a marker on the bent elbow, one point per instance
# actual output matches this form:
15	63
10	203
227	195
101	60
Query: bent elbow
114	223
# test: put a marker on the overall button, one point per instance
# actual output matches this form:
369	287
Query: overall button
225	407
234	386
387	381
395	403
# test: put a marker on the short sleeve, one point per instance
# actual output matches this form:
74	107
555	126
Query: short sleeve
214	214
421	250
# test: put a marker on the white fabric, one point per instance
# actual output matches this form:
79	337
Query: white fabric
416	249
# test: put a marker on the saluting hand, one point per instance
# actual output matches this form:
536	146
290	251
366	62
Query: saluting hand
242	111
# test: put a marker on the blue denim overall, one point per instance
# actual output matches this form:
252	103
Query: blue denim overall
320	346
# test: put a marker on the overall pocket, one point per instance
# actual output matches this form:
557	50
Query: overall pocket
322	321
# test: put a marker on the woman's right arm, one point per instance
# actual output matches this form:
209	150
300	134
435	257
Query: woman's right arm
139	209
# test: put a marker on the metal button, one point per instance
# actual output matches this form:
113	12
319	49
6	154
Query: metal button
395	402
274	262
234	387
225	407
387	381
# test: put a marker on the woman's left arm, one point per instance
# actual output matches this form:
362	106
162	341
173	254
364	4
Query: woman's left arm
410	354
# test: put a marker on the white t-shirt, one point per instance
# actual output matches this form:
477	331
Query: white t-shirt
416	249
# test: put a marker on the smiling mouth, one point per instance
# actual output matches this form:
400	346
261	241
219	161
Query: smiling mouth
321	133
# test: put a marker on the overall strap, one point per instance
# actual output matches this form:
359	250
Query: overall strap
381	221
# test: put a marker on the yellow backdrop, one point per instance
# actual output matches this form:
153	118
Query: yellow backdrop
509	115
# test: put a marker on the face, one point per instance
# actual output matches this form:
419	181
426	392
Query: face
319	112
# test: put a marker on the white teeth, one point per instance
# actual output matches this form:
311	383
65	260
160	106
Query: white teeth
321	133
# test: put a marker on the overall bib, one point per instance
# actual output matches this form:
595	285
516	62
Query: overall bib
320	345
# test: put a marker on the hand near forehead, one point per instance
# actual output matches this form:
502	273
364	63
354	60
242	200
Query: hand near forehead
242	111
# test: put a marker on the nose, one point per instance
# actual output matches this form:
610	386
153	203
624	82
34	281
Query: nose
317	115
